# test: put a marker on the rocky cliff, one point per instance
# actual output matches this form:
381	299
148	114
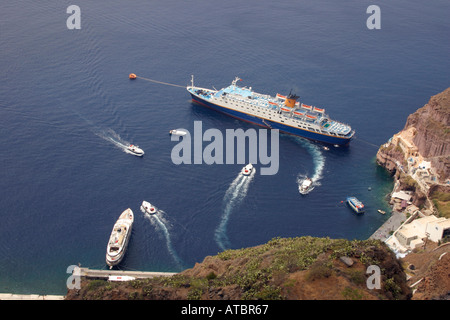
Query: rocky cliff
424	140
429	131
290	269
432	127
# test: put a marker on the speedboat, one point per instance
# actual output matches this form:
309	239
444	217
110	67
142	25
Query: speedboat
120	236
178	132
134	149
146	207
355	204
305	186
247	170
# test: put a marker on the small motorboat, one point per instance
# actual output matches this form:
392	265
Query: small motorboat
381	211
146	207
326	148
134	149
247	170
305	187
178	132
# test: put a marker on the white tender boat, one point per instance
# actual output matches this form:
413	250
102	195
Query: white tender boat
120	236
146	207
178	132
305	187
133	149
247	170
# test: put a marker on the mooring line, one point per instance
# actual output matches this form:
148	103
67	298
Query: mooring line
367	142
160	82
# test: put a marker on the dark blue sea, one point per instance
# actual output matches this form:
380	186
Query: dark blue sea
67	108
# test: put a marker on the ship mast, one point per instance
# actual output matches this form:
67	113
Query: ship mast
235	80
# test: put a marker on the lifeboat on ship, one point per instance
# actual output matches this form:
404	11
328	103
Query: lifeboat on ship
319	110
305	106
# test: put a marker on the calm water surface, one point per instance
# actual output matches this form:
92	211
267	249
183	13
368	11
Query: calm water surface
67	107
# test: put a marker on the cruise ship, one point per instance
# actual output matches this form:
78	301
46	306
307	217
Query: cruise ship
281	112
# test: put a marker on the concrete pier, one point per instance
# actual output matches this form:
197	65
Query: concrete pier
105	274
393	223
12	296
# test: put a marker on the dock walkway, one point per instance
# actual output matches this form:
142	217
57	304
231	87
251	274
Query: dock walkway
105	274
392	224
13	296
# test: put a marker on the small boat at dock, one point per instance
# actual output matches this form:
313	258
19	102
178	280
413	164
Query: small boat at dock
119	239
381	211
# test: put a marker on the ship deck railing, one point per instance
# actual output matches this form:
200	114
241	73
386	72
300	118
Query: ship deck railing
253	99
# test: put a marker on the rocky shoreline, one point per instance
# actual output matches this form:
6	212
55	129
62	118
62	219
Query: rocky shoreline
418	157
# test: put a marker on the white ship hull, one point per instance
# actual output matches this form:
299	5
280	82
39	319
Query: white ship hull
119	239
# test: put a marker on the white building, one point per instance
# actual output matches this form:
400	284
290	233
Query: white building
413	234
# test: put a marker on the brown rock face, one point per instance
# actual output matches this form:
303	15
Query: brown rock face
432	123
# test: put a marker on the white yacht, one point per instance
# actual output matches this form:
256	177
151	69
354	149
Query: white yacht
120	236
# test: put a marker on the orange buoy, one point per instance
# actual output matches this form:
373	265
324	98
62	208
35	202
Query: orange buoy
132	76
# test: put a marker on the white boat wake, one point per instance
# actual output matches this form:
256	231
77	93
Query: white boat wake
113	137
233	197
318	160
159	222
